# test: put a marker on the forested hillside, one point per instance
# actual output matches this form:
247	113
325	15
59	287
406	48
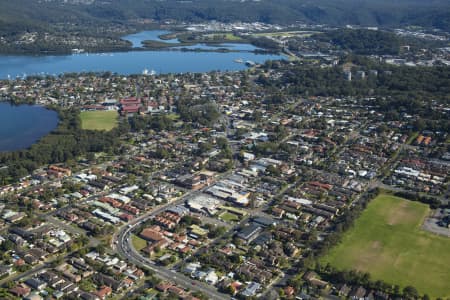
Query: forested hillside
361	41
36	15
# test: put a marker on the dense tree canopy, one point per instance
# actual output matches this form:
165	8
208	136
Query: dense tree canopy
362	41
203	113
394	90
66	142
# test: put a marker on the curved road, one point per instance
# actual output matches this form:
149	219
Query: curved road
122	243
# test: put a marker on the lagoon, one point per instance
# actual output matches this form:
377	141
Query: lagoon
126	63
154	35
136	39
23	125
133	62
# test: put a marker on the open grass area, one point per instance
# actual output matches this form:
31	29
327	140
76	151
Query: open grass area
138	243
235	210
173	117
229	217
287	33
387	242
99	120
223	37
232	37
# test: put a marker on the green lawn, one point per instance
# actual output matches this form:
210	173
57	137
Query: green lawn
229	217
224	36
173	117
99	120
138	243
387	242
287	33
232	37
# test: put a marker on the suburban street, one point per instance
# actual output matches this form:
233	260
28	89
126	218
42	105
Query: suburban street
124	247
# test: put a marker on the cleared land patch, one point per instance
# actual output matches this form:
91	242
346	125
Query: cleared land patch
138	243
99	120
387	242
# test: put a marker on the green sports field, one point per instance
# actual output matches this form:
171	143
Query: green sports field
99	120
387	242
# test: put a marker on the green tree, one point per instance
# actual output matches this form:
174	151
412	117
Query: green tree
410	292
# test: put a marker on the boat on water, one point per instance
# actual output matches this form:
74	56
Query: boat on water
77	51
147	72
239	60
250	63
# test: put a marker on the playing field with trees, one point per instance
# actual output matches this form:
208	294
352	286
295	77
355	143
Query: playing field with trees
387	242
99	120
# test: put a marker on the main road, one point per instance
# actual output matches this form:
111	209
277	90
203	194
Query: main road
122	243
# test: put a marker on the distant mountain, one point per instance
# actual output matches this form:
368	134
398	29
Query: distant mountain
37	14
